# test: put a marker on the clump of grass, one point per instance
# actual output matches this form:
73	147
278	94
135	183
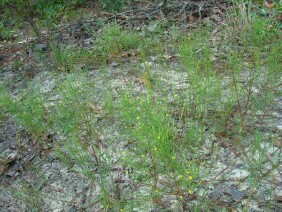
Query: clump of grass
30	193
37	14
204	92
74	118
112	44
232	100
113	41
5	33
68	59
28	111
159	160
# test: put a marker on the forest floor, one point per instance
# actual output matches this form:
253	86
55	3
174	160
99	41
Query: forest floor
155	109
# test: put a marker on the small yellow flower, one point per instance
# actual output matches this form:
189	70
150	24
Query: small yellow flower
155	149
190	191
173	158
190	177
180	197
138	118
180	176
187	172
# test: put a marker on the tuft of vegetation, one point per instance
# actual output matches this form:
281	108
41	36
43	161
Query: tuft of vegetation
111	5
28	110
114	41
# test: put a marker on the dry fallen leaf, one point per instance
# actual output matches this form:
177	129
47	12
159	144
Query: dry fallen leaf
277	143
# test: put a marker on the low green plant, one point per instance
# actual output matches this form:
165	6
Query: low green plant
70	59
28	110
160	162
30	196
254	84
110	45
30	193
114	40
16	65
111	5
36	12
273	63
5	32
204	92
75	120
